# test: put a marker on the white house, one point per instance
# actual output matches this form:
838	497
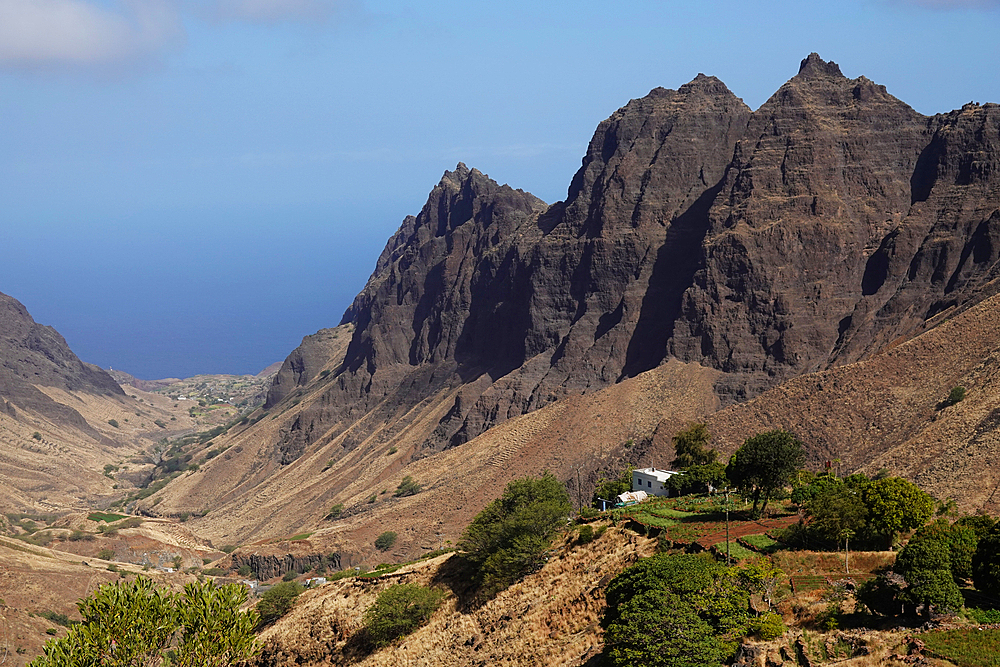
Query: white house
652	481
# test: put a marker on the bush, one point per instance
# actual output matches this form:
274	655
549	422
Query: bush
399	610
385	541
768	627
113	422
106	554
509	538
290	575
335	511
202	626
277	602
408	487
245	571
956	395
586	534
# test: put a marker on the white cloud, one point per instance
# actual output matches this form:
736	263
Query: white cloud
44	33
270	11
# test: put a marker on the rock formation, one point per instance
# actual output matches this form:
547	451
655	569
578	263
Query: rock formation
34	355
810	233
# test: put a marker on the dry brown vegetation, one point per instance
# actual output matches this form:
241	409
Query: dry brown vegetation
550	618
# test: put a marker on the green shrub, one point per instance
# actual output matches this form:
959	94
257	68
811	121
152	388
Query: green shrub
81	536
277	602
290	575
37	436
245	571
956	395
106	554
399	610
586	534
408	487
228	548
509	538
768	627
203	626
385	541
335	511
113	422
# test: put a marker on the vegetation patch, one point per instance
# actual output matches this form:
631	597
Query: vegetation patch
107	517
968	647
399	610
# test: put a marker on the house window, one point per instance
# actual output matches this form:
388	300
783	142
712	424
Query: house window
649	484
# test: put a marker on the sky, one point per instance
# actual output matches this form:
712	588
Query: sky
192	186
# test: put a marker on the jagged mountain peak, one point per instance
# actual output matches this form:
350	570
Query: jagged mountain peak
813	66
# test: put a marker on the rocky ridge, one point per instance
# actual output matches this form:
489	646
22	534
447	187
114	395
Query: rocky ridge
768	244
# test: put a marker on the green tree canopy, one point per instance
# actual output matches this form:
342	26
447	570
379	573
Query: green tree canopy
764	464
894	506
609	489
508	539
986	564
136	622
691	447
960	540
399	610
677	609
835	511
926	566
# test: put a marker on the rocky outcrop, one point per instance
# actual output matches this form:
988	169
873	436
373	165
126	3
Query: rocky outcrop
33	355
810	233
271	566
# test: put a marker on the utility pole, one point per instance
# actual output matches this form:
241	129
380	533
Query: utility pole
728	556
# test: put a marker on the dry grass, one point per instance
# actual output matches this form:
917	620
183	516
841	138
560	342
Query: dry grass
550	618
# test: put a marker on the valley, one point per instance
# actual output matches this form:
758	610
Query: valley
826	264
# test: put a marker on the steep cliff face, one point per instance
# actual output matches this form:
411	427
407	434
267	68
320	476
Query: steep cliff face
810	233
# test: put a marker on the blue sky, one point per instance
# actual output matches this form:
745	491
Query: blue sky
193	186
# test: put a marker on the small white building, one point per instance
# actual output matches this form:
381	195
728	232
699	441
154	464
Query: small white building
630	498
652	481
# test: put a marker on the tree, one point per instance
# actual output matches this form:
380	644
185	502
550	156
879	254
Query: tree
698	478
894	506
385	540
658	628
676	609
135	623
691	447
277	602
926	566
986	564
764	464
960	540
834	511
399	610
609	489
508	539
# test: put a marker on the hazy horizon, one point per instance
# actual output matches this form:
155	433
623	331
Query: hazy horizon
194	187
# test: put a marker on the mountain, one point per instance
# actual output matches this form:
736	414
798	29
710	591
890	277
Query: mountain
70	437
706	256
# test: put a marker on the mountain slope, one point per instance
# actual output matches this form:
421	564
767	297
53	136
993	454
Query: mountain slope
700	242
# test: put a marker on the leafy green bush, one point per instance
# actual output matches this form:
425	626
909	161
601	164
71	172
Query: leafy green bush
399	610
106	554
245	571
203	626
277	602
509	538
113	422
290	575
768	627
407	487
385	541
335	511
586	534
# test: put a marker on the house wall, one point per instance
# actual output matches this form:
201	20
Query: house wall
648	483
